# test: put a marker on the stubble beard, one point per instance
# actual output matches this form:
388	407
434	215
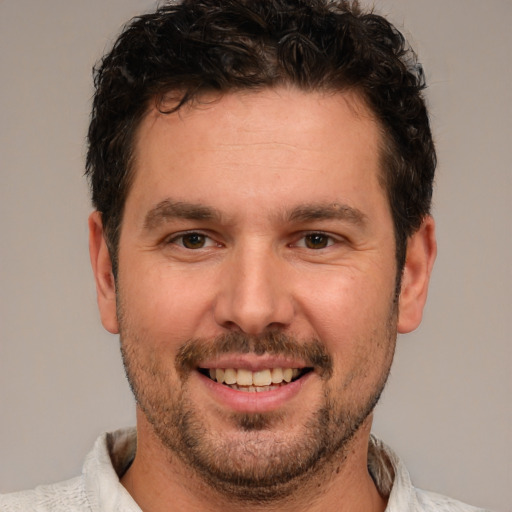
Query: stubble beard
265	462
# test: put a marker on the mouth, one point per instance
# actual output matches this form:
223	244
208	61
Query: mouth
241	379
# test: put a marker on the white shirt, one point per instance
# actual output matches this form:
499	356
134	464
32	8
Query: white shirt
98	489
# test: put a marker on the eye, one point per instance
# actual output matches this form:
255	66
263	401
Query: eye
315	241
193	240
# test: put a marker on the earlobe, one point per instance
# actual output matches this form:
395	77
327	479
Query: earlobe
103	275
421	254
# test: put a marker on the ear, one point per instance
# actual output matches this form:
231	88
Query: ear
103	275
420	257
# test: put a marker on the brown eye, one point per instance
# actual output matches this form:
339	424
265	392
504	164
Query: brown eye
193	241
316	241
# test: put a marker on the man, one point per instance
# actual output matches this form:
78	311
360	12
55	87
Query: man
262	175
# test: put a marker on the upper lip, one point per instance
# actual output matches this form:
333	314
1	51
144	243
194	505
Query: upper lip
252	362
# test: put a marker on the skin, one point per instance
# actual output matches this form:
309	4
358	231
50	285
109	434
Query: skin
258	269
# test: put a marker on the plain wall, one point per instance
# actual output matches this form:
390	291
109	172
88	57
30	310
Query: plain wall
447	408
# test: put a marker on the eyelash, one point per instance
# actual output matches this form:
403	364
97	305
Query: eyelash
330	240
180	238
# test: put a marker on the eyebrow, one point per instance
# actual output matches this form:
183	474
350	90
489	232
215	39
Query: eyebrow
168	209
305	213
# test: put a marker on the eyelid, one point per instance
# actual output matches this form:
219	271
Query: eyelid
210	241
172	239
333	239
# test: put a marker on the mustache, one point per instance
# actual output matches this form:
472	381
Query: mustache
312	351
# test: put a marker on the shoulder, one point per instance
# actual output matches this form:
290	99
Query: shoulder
430	502
68	496
393	480
97	489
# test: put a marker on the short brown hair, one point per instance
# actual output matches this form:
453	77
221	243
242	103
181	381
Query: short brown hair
227	45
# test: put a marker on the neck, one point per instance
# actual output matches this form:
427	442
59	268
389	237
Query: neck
159	481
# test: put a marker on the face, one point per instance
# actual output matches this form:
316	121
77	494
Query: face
256	248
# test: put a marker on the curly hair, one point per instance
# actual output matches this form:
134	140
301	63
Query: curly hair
199	46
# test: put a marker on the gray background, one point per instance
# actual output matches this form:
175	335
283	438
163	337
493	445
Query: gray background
447	408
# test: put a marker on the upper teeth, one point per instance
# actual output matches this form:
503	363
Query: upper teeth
242	377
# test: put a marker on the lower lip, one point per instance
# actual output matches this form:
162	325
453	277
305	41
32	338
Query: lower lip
245	401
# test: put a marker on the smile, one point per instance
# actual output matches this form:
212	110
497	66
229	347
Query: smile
254	381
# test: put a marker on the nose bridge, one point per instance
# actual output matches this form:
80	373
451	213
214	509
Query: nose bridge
254	296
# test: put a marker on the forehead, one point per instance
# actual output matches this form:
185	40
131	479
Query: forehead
268	111
257	141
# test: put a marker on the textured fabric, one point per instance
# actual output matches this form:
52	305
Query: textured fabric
98	488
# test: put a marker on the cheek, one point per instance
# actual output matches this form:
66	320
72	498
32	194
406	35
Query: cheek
343	303
353	316
166	304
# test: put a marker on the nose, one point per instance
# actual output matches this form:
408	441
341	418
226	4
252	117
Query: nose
254	296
